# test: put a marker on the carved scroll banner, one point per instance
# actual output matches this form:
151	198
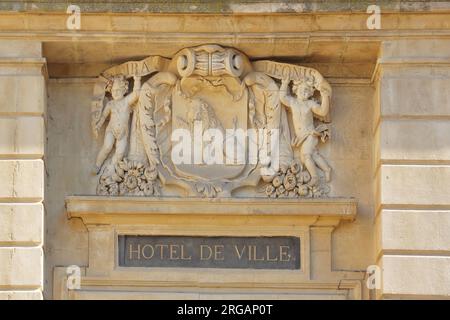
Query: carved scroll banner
287	71
138	68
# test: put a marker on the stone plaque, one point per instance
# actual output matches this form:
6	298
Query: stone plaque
209	252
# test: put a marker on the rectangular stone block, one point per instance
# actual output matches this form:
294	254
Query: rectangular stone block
21	223
415	140
20	49
423	71
21	267
21	295
419	230
376	152
416	275
415	97
22	179
376	106
22	136
377	233
417	48
23	94
415	185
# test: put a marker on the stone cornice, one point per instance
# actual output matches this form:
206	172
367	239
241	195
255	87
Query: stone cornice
231	6
408	61
131	210
39	64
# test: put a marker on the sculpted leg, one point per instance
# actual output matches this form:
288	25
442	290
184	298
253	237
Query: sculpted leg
323	165
312	169
104	152
307	151
121	147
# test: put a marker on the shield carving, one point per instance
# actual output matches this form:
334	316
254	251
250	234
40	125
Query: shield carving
202	103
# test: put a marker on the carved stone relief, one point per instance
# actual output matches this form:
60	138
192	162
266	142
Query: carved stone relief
210	121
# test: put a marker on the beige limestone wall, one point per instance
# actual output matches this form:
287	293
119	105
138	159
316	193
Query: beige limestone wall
72	149
22	148
413	169
398	171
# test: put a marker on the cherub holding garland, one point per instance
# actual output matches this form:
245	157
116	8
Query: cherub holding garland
303	110
118	110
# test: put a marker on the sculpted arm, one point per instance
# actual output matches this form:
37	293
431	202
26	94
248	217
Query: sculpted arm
323	109
134	96
285	98
105	113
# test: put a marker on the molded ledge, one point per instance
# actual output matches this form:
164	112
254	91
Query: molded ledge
95	210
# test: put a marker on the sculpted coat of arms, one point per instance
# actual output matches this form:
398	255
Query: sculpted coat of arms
209	122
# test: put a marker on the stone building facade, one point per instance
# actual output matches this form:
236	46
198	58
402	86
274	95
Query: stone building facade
354	202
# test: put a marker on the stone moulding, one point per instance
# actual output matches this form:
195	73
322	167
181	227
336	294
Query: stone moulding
130	210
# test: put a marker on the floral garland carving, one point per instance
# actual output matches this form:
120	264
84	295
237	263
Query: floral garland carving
130	178
292	182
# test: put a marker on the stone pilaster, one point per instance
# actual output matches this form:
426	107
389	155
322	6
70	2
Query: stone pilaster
412	168
22	145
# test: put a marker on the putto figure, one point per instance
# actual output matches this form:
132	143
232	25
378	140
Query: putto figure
118	110
303	109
